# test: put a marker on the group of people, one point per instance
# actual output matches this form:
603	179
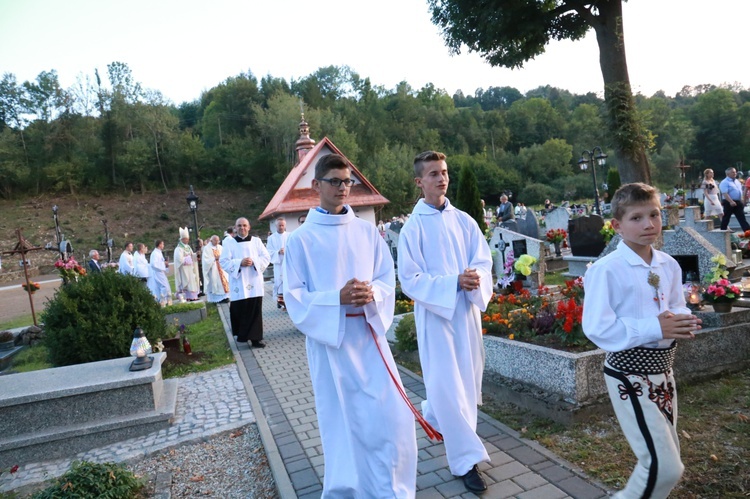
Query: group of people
337	280
726	199
339	290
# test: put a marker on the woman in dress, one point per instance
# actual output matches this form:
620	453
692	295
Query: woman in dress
711	203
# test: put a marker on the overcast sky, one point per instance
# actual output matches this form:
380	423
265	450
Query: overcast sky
183	47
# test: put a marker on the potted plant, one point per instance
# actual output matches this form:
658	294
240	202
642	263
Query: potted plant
720	292
7	340
556	236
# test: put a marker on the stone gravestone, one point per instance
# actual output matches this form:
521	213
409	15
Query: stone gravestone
391	238
528	225
584	236
558	218
503	241
586	243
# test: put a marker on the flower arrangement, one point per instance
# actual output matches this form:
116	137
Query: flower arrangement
69	270
508	275
32	287
556	235
523	264
719	288
722	291
745	235
607	231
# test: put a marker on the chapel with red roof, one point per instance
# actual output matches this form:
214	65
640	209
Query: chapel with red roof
295	196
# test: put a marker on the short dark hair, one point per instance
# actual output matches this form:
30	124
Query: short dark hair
157	242
330	162
630	194
425	157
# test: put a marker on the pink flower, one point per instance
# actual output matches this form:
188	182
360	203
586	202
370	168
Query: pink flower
59	264
720	291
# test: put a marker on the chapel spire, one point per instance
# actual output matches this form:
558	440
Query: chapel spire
304	143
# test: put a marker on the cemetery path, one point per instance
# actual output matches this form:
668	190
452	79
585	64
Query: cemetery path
288	424
14	302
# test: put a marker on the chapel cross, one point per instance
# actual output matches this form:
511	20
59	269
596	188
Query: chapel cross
23	247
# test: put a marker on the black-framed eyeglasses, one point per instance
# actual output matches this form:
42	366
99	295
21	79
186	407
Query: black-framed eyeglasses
336	182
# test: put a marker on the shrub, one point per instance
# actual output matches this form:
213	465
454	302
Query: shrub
93	319
406	334
86	479
178	308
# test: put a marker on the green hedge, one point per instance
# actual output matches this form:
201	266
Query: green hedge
93	319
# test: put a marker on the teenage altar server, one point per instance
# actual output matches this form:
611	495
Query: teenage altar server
339	291
445	266
158	282
276	244
186	277
245	258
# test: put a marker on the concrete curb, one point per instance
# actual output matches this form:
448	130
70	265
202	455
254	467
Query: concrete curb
283	482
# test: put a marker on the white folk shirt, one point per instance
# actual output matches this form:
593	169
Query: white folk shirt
126	263
366	428
244	282
276	243
620	310
434	247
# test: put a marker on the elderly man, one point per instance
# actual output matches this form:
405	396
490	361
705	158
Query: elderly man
245	258
733	200
276	244
94	261
186	278
215	279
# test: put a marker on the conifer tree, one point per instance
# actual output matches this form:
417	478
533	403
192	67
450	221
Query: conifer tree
468	198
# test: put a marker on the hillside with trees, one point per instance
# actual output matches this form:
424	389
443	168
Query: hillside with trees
107	134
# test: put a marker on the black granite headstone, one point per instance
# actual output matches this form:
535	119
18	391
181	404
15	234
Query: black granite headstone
519	248
528	224
688	264
584	236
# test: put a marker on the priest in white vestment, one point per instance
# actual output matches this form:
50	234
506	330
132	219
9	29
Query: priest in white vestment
125	266
158	282
445	266
140	263
276	243
245	258
215	279
186	277
339	288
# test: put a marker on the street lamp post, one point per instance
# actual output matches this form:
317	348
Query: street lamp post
594	157
192	201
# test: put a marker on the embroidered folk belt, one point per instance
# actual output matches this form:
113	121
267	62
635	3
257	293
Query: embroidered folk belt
643	360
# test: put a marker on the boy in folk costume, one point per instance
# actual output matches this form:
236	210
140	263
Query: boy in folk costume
186	278
634	309
244	258
339	291
445	266
275	245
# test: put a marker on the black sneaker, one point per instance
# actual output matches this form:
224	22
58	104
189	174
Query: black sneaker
473	481
258	344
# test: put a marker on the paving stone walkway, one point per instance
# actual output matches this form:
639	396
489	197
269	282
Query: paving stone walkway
280	379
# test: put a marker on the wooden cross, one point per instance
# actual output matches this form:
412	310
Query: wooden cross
23	247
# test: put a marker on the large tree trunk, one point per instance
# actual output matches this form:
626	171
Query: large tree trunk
629	145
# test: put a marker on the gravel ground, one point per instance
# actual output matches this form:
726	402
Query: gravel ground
228	465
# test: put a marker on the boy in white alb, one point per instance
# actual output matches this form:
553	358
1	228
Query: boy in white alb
339	290
634	309
445	266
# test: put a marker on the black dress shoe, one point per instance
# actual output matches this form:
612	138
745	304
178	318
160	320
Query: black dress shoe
474	481
258	344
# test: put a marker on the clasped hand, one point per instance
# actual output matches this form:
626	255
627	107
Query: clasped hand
469	280
678	326
246	262
357	293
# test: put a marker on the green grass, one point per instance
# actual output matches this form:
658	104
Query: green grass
555	278
22	321
206	337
